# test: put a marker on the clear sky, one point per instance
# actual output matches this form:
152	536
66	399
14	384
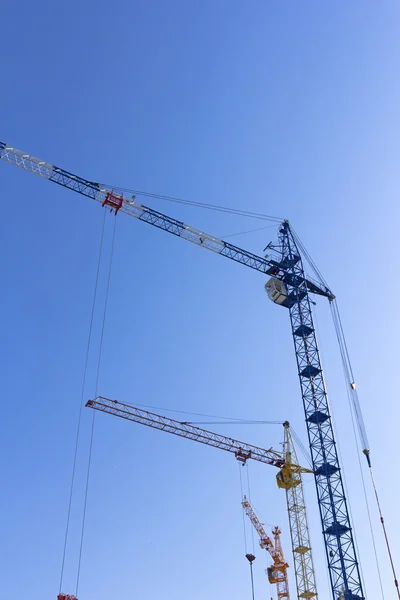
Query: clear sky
285	108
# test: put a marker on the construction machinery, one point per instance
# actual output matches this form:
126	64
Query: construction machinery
277	573
289	287
288	477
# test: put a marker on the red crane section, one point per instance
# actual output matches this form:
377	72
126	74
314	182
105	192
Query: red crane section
277	573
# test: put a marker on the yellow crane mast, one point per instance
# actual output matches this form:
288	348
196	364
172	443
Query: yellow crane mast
277	572
289	478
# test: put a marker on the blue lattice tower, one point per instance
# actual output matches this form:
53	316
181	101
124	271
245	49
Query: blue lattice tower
339	542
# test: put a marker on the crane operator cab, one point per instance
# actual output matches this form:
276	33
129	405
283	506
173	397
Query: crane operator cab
275	575
278	293
276	290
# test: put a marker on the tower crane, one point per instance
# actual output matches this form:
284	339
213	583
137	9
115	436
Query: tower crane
288	477
288	287
277	573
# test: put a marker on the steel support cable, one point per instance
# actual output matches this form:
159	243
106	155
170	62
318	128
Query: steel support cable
248	487
233	420
360	421
237	422
196	204
223	237
350	376
346	489
94	412
386	537
349	379
301	446
308	257
81	403
365	493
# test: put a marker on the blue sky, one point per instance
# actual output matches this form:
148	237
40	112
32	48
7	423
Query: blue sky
286	109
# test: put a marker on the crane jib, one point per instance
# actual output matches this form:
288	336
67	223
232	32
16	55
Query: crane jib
116	201
78	184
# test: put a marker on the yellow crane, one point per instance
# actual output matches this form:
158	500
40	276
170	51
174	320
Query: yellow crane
288	477
277	572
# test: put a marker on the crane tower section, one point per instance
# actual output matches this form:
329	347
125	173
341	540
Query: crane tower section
291	292
290	479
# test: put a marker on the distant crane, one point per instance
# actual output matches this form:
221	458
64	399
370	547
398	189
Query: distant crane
288	287
277	573
288	477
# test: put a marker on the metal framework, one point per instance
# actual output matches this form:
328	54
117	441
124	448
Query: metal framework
107	197
289	478
241	450
277	573
339	543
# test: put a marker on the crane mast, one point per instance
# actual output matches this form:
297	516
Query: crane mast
340	549
277	573
289	478
289	287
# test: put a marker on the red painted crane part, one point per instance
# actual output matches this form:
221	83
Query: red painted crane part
66	597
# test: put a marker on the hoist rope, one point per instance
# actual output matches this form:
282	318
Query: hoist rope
94	415
242	511
248	487
81	404
252	580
